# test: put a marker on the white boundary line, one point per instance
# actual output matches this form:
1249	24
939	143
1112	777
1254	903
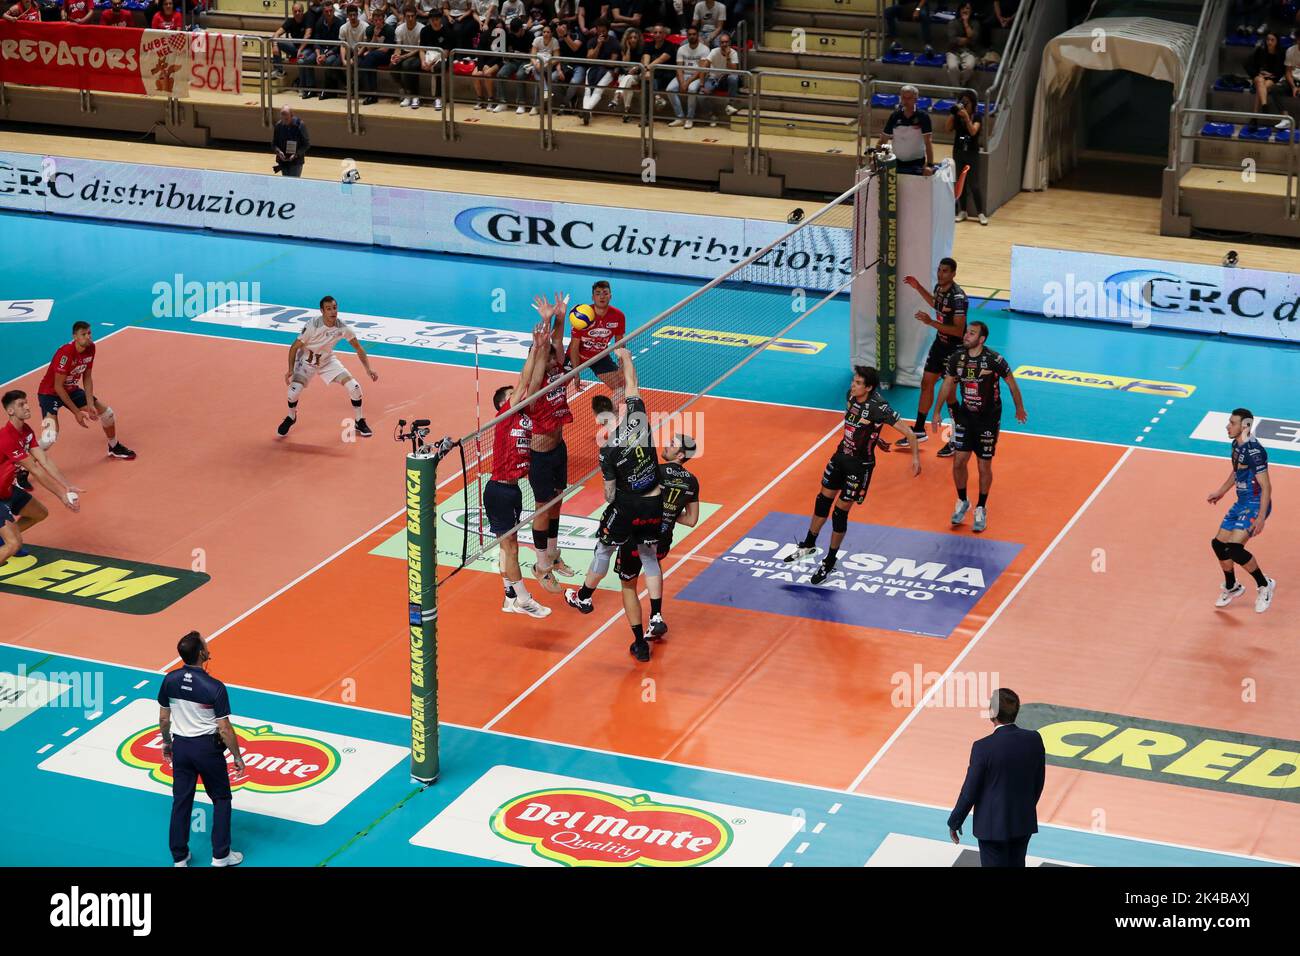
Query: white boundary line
738	774
1006	601
680	561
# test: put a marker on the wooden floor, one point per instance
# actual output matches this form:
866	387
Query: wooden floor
1085	221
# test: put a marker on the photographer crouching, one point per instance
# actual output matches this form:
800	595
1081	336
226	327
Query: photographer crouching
966	152
291	143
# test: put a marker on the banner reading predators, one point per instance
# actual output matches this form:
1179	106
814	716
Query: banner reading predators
119	60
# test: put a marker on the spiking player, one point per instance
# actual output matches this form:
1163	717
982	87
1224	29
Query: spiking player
850	468
681	505
950	304
548	469
634	513
976	372
312	355
1245	519
503	500
607	327
18	509
67	383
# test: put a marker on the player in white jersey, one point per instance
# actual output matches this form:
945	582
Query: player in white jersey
312	354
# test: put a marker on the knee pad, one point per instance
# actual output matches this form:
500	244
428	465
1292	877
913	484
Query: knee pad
106	417
840	521
354	389
1222	550
295	389
650	560
600	563
822	507
1239	554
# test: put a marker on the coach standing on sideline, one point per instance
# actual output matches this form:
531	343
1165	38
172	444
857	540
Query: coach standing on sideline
291	143
1003	783
201	709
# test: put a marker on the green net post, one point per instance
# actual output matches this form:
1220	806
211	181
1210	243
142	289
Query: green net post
887	274
422	586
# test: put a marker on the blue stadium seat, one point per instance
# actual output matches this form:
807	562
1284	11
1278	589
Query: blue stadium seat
1218	129
901	57
1261	133
885	101
930	60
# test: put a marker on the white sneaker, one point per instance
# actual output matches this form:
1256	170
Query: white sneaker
1264	597
405	102
660	103
234	859
731	110
480	105
959	514
530	607
415	102
520	111
676	122
961	216
984	220
1227	594
981	520
546	578
185	862
533	111
800	555
690	123
496	108
437	102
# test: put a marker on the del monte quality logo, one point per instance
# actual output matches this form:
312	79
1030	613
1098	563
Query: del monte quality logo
580	827
273	762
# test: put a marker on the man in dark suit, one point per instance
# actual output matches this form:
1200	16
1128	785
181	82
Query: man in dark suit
1003	784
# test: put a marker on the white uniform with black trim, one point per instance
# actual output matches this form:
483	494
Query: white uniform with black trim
316	357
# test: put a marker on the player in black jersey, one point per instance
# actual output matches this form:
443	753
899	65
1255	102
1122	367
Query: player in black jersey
949	303
681	505
975	372
630	466
849	470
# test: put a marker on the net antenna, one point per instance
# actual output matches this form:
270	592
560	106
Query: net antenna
687	351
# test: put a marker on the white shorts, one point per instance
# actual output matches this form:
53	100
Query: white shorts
330	370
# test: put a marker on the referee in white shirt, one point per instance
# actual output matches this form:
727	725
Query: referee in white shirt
200	707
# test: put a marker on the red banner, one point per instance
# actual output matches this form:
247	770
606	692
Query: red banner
118	59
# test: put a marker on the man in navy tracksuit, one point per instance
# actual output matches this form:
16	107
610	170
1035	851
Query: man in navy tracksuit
199	708
1003	783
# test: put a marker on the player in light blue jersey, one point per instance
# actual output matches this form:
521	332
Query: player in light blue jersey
1245	519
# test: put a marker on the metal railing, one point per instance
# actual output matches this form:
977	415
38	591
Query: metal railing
1209	28
863	101
1290	209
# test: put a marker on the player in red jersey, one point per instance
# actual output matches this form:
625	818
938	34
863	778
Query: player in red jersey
503	499
609	327
67	383
18	509
548	467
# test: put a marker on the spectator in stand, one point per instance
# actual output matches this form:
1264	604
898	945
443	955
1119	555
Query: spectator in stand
406	60
168	17
371	58
486	66
1266	68
915	10
79	11
658	51
1291	64
386	11
352	33
601	45
512	70
291	143
667	12
24	10
460	19
568	75
288	38
438	41
565	12
319	51
485	17
688	79
424	8
724	57
536	20
117	16
963	45
909	131
624	14
966	153
709	18
512	10
632	47
544	48
590	13
1004	12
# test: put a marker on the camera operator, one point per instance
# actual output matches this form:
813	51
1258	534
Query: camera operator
966	152
291	143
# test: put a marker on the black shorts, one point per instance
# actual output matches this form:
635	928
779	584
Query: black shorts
628	562
6	515
17	500
936	362
971	433
504	505
605	365
548	473
849	476
632	519
50	404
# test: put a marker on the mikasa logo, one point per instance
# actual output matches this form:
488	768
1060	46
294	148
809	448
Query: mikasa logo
77	909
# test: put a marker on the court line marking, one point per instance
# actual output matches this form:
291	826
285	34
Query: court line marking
1006	602
723	398
739	774
680	561
46	365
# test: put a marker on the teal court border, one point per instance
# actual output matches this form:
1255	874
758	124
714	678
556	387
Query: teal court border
54	819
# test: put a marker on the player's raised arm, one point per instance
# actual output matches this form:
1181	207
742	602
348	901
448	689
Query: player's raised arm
630	389
921	290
